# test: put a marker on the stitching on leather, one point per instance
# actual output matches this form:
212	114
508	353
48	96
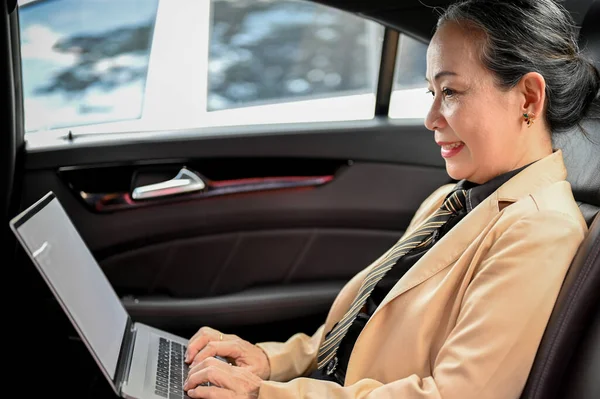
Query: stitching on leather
587	267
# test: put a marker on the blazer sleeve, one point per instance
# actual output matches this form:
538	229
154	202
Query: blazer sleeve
294	357
504	313
297	356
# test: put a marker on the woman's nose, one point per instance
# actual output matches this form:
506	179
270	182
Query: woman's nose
434	120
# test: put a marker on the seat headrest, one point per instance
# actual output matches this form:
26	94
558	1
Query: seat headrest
581	153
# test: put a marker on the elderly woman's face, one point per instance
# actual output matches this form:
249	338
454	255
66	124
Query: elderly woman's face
476	124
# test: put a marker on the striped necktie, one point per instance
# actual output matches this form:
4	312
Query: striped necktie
421	237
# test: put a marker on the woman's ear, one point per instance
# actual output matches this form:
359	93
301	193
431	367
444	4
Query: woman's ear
532	87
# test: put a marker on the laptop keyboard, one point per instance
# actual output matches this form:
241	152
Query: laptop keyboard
171	370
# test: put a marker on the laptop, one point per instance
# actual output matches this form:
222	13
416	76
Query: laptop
139	361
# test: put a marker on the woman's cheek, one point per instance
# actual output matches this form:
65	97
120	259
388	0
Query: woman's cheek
453	112
447	109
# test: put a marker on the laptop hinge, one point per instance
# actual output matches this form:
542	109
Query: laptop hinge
125	355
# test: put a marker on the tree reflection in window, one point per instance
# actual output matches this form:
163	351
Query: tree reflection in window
282	50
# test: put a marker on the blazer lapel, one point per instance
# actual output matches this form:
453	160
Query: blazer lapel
446	251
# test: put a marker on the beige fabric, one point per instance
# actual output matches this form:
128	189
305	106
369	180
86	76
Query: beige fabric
466	320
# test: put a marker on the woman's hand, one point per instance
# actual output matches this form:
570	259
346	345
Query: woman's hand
226	381
209	343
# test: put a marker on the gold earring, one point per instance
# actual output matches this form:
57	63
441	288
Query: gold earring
529	119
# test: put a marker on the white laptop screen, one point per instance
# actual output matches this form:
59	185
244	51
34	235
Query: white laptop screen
75	277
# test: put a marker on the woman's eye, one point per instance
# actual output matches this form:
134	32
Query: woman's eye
445	92
448	92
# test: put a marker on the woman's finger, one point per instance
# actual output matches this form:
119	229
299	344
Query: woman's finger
200	340
230	349
215	374
211	361
210	393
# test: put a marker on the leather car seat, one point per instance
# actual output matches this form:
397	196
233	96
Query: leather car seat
567	364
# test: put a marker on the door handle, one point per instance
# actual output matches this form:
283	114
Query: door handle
186	181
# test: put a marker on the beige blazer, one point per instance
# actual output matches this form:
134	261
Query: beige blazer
466	320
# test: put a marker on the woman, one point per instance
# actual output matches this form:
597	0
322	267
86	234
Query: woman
457	308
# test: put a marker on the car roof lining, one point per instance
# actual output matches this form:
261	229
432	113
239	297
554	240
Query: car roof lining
418	18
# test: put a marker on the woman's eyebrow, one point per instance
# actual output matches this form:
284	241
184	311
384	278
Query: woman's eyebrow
442	74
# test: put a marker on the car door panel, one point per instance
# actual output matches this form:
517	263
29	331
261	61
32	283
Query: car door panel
176	258
202	266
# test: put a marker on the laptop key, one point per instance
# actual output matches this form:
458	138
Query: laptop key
161	393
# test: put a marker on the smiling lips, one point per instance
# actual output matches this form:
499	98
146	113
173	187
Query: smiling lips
451	149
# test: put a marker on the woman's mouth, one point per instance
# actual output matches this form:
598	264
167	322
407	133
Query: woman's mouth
451	149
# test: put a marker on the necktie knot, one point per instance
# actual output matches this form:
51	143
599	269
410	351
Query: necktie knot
456	201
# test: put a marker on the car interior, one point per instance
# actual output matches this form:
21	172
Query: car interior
287	214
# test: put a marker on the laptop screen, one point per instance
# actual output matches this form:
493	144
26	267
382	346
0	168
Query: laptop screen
74	276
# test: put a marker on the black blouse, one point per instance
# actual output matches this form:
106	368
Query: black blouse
475	195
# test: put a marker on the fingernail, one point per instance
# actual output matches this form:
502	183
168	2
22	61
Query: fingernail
190	392
193	364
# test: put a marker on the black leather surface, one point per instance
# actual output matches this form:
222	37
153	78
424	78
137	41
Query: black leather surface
588	211
589	35
203	266
570	319
584	372
252	306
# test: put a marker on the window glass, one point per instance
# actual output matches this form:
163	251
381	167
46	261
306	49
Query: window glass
409	96
84	62
138	65
278	51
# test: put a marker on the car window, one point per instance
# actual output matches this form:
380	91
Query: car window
409	96
84	62
139	65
